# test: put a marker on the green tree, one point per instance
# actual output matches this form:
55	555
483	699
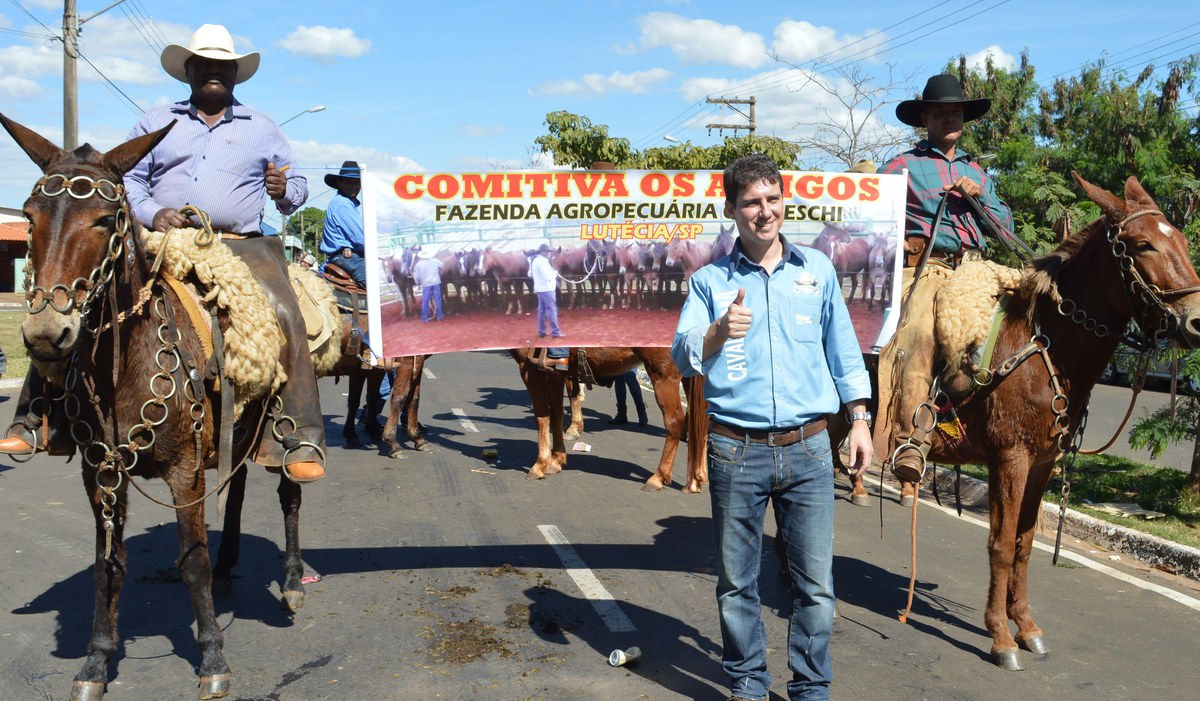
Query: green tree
575	141
308	225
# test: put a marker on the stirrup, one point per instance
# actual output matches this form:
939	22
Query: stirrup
908	476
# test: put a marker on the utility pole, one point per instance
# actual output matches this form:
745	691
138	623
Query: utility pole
70	37
70	77
731	104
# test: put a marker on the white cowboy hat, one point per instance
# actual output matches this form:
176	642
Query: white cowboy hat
210	41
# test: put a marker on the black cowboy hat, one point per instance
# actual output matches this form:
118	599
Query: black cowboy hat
349	171
941	89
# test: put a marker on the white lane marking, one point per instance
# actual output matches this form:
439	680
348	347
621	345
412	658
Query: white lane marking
428	374
467	424
592	589
1171	594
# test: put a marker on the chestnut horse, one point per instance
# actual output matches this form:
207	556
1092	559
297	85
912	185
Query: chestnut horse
547	388
99	314
1058	333
404	405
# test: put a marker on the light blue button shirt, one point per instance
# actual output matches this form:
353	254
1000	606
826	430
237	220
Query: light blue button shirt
220	169
799	361
343	226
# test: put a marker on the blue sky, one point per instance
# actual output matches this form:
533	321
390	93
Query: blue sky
448	86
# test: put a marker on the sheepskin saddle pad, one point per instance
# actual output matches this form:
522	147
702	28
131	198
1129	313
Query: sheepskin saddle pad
965	305
254	338
322	320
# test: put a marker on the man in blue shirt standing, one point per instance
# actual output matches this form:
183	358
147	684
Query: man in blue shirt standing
768	328
343	240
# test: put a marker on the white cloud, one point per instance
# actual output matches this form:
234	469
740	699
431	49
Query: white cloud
324	44
797	42
482	131
30	62
595	84
1000	59
17	89
315	158
700	41
791	108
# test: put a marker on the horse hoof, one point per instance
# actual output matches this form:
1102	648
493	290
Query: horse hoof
87	691
907	500
1035	644
861	500
397	454
424	447
535	475
1008	659
215	686
351	442
652	486
292	600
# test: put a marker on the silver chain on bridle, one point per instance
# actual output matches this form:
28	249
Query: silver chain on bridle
113	462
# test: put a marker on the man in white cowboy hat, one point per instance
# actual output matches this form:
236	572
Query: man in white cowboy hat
343	239
228	160
936	169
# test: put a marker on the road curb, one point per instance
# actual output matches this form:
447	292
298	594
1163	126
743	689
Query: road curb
1152	550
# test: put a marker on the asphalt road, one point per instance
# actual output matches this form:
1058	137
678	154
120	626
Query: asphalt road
447	576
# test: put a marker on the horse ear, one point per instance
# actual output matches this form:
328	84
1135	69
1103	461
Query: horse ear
1112	206
124	157
1136	194
39	150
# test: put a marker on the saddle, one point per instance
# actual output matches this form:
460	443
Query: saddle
322	322
968	309
574	366
350	296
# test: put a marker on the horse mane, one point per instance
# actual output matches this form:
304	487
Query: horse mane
1040	276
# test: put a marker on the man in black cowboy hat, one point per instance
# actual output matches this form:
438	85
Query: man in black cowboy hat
342	242
936	169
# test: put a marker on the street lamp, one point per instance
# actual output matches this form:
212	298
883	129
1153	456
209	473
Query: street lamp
315	108
668	137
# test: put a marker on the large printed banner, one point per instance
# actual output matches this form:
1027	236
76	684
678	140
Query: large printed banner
623	244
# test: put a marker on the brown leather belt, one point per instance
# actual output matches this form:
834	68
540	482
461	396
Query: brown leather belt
778	439
915	245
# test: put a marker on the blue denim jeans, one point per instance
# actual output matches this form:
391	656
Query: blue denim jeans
548	313
743	476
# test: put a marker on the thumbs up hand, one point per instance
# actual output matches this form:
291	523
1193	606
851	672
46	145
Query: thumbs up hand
276	181
736	320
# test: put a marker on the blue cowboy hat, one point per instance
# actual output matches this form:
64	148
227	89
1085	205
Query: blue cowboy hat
350	171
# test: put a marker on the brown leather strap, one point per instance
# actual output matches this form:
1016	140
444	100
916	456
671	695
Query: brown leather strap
778	438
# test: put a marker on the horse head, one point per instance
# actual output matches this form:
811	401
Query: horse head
80	233
1134	262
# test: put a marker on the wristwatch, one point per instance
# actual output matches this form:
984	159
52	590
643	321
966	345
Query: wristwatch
863	416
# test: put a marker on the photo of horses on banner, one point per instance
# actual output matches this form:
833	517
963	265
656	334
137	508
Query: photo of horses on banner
595	258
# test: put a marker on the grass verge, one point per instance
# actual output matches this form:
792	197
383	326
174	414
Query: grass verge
1108	478
10	341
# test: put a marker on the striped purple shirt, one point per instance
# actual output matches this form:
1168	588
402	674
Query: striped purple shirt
929	172
221	169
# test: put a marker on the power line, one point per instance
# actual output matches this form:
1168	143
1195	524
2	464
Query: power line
139	29
786	77
35	19
111	85
148	19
